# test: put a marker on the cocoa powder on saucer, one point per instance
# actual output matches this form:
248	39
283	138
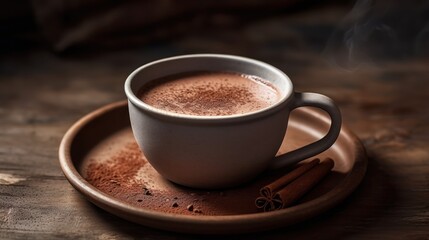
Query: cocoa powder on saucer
116	176
127	176
124	174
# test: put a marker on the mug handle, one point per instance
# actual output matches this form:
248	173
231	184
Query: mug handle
319	101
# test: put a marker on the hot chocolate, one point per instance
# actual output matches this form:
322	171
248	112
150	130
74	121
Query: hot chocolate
209	93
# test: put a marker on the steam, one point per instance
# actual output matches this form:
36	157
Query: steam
378	31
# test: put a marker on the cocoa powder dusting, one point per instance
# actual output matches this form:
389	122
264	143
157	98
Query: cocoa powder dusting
209	93
117	175
126	175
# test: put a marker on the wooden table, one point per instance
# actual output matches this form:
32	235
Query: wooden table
386	105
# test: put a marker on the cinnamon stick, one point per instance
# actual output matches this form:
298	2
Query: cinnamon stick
272	188
293	191
266	201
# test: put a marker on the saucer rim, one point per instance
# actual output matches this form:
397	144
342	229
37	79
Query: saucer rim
220	224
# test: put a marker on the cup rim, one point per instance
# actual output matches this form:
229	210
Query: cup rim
132	98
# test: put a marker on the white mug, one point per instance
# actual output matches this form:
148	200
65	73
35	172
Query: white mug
220	151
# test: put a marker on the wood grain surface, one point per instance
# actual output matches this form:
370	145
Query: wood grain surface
384	103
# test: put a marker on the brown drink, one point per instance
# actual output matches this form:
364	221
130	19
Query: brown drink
209	93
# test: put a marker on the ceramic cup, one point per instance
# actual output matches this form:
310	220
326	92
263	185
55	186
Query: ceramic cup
220	151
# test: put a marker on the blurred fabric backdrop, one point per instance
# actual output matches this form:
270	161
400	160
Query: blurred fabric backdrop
348	33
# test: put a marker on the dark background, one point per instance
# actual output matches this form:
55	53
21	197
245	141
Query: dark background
387	28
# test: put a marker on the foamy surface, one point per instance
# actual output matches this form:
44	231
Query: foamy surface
210	93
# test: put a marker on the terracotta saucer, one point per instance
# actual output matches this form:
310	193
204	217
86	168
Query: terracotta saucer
99	146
